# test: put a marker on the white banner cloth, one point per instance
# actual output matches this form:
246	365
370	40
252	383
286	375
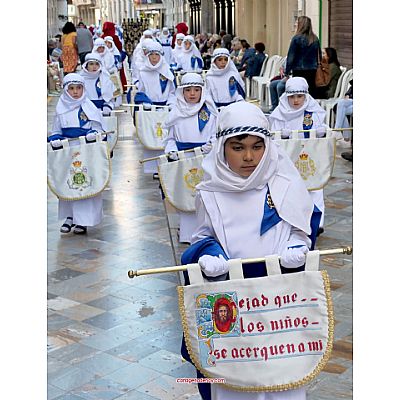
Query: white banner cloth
179	178
116	80
149	126
262	334
111	123
80	171
314	157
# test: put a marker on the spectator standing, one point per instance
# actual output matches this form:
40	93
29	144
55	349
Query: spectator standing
84	41
304	50
69	48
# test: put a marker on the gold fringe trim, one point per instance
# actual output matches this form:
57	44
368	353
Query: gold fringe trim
274	388
53	190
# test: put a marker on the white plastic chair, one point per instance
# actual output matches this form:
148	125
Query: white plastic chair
247	80
341	89
265	97
256	81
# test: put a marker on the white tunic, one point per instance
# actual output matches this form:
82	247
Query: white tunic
149	83
87	212
187	130
218	86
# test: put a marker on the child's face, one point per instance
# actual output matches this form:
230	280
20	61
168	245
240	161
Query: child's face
192	94
109	45
187	44
92	66
221	62
75	91
296	101
244	155
100	49
179	42
154	58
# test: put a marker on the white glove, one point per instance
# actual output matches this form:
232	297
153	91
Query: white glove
91	136
173	155
213	266
206	148
294	257
146	106
56	143
321	131
285	133
106	112
119	65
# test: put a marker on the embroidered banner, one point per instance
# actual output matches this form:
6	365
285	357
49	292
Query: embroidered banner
261	334
79	170
314	158
179	178
116	80
149	126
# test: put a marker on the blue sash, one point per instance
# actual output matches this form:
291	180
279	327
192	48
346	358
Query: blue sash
235	86
141	97
69	133
203	116
163	83
83	118
195	59
223	104
188	145
270	216
307	123
98	103
98	87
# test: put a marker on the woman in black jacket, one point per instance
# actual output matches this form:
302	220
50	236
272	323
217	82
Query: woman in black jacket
302	57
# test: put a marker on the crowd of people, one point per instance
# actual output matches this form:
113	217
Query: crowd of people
243	167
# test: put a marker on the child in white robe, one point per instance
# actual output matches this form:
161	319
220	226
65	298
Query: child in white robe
191	123
98	85
112	48
251	203
297	110
165	39
177	50
223	79
189	60
99	46
155	85
155	78
77	116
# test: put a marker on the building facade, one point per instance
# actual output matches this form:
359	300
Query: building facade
268	21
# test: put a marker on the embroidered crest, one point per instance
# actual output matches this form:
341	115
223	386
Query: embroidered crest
159	133
193	178
203	115
83	116
162	77
98	84
270	202
308	121
305	165
79	178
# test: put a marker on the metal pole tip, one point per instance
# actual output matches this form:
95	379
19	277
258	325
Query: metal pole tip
132	273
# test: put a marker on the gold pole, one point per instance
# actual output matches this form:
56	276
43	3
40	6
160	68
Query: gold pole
119	111
156	158
132	273
102	133
334	129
